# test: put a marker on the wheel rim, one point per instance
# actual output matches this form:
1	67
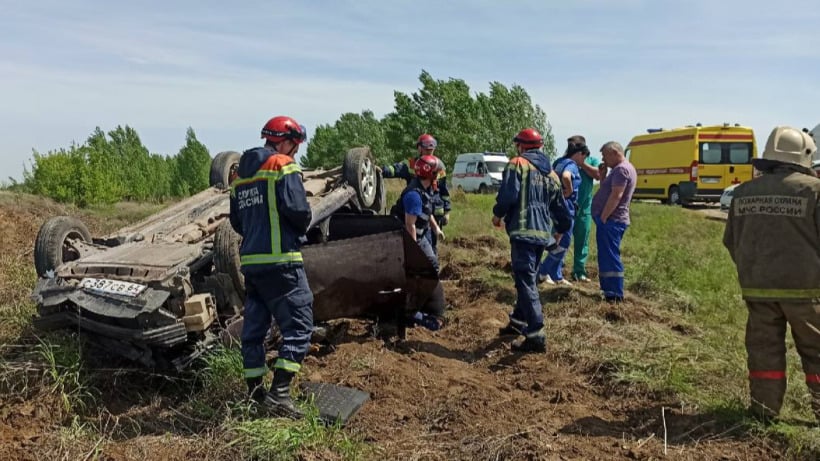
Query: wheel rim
69	253
367	176
673	197
233	173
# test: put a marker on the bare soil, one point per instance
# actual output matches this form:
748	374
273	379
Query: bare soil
459	393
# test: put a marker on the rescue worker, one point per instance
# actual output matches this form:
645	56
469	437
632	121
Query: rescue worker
588	166
415	209
566	167
773	237
426	145
269	208
610	210
532	207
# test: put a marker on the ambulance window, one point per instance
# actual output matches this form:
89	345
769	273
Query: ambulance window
496	167
471	167
740	153
710	153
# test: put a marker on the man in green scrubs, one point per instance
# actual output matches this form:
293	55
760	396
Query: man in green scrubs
583	216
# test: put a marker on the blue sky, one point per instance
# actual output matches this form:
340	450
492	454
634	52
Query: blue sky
604	69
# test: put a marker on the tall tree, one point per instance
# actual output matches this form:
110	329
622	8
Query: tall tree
330	143
193	165
460	120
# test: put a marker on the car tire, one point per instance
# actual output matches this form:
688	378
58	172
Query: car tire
360	173
483	189
674	196
226	256
380	201
223	169
52	244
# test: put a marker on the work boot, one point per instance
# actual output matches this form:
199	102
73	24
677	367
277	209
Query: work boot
256	389
278	400
537	343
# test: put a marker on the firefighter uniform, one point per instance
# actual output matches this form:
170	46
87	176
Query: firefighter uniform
773	236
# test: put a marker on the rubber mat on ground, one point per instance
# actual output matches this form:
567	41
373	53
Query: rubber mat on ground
335	403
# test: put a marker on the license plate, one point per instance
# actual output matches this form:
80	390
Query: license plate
112	287
710	180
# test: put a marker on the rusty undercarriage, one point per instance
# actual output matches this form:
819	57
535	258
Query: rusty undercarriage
160	292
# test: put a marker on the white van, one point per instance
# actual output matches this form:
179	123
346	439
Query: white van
477	172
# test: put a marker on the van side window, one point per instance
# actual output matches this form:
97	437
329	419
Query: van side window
471	167
734	153
481	168
740	153
711	152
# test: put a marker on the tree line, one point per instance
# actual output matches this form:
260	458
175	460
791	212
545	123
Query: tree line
459	120
115	166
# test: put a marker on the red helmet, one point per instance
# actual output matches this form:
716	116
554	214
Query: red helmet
529	137
426	166
426	141
280	128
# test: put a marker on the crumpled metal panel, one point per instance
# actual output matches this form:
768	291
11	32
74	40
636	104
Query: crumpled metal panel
123	307
347	276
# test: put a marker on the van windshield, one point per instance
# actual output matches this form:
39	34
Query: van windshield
496	167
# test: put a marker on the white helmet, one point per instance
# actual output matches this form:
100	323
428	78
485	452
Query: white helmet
790	145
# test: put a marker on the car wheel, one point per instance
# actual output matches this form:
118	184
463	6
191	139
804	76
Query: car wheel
54	244
226	256
360	172
483	189
224	169
380	200
674	196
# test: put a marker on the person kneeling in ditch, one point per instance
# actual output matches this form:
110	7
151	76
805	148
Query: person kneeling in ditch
531	204
415	209
269	208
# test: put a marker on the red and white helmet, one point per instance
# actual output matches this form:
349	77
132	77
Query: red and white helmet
529	138
280	128
426	167
426	141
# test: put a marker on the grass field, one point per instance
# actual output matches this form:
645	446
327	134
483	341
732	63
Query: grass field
65	403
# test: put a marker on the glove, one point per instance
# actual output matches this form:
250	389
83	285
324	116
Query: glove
440	235
442	221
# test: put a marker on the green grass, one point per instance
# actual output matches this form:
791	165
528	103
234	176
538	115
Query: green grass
674	258
280	439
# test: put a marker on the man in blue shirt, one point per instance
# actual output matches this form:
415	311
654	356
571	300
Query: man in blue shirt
567	170
415	209
425	145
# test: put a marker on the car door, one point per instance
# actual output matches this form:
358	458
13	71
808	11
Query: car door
471	177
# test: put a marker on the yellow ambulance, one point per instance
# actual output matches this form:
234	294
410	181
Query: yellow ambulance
693	163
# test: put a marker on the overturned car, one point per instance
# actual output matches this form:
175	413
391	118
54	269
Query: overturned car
162	291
